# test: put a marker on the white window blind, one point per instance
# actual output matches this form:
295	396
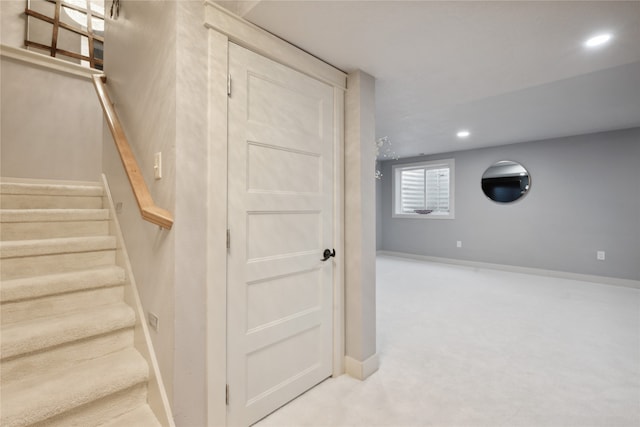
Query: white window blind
412	194
424	187
437	190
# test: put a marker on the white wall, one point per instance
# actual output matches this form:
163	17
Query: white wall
156	64
360	226
140	63
51	121
192	186
12	22
50	126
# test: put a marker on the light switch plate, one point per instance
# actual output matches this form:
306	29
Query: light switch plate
153	321
157	165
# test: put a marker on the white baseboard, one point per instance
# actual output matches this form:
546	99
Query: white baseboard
361	370
156	391
627	283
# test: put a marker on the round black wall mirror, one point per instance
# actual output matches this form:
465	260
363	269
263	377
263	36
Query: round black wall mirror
506	181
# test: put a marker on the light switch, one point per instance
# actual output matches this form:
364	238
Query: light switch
157	165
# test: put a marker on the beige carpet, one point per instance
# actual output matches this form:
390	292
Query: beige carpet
473	347
67	355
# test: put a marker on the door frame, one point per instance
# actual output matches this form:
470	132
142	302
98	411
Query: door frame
225	27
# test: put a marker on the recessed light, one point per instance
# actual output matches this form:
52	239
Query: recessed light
598	40
463	134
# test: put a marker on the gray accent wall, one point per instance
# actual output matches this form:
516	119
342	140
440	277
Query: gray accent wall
584	197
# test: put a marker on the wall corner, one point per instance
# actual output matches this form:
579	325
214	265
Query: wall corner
360	227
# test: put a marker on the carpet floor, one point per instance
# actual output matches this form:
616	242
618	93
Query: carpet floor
470	347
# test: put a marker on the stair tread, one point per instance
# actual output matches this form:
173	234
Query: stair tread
142	416
46	189
24	248
53	284
65	368
38	334
52	215
35	399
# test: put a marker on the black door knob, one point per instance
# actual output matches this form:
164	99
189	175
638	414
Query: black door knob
328	254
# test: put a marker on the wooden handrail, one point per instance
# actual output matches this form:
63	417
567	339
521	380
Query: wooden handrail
148	209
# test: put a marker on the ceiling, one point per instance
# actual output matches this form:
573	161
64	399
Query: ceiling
508	72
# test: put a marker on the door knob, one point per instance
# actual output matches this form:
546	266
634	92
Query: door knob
328	254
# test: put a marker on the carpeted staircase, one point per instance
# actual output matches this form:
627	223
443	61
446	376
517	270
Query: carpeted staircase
67	336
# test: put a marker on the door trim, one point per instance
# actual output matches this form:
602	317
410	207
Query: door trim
224	27
257	40
216	286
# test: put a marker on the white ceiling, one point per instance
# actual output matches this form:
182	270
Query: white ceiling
507	71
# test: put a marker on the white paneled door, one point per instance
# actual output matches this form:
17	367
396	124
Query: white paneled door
280	293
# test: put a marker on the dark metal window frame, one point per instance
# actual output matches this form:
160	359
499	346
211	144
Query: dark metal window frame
57	24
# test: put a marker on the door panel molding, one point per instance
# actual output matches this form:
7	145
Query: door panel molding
279	343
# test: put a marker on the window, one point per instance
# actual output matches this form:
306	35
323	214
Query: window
424	190
72	30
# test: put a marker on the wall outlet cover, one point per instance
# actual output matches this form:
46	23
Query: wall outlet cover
459	244
153	321
600	255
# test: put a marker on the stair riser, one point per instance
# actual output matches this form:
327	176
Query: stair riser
23	338
59	304
14	268
43	286
65	356
86	383
31	187
141	416
50	230
101	411
27	248
21	201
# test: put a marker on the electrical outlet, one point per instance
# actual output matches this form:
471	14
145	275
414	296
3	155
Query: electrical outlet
157	165
600	255
153	321
119	207
459	244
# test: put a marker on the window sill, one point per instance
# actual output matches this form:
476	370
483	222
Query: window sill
41	60
426	216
